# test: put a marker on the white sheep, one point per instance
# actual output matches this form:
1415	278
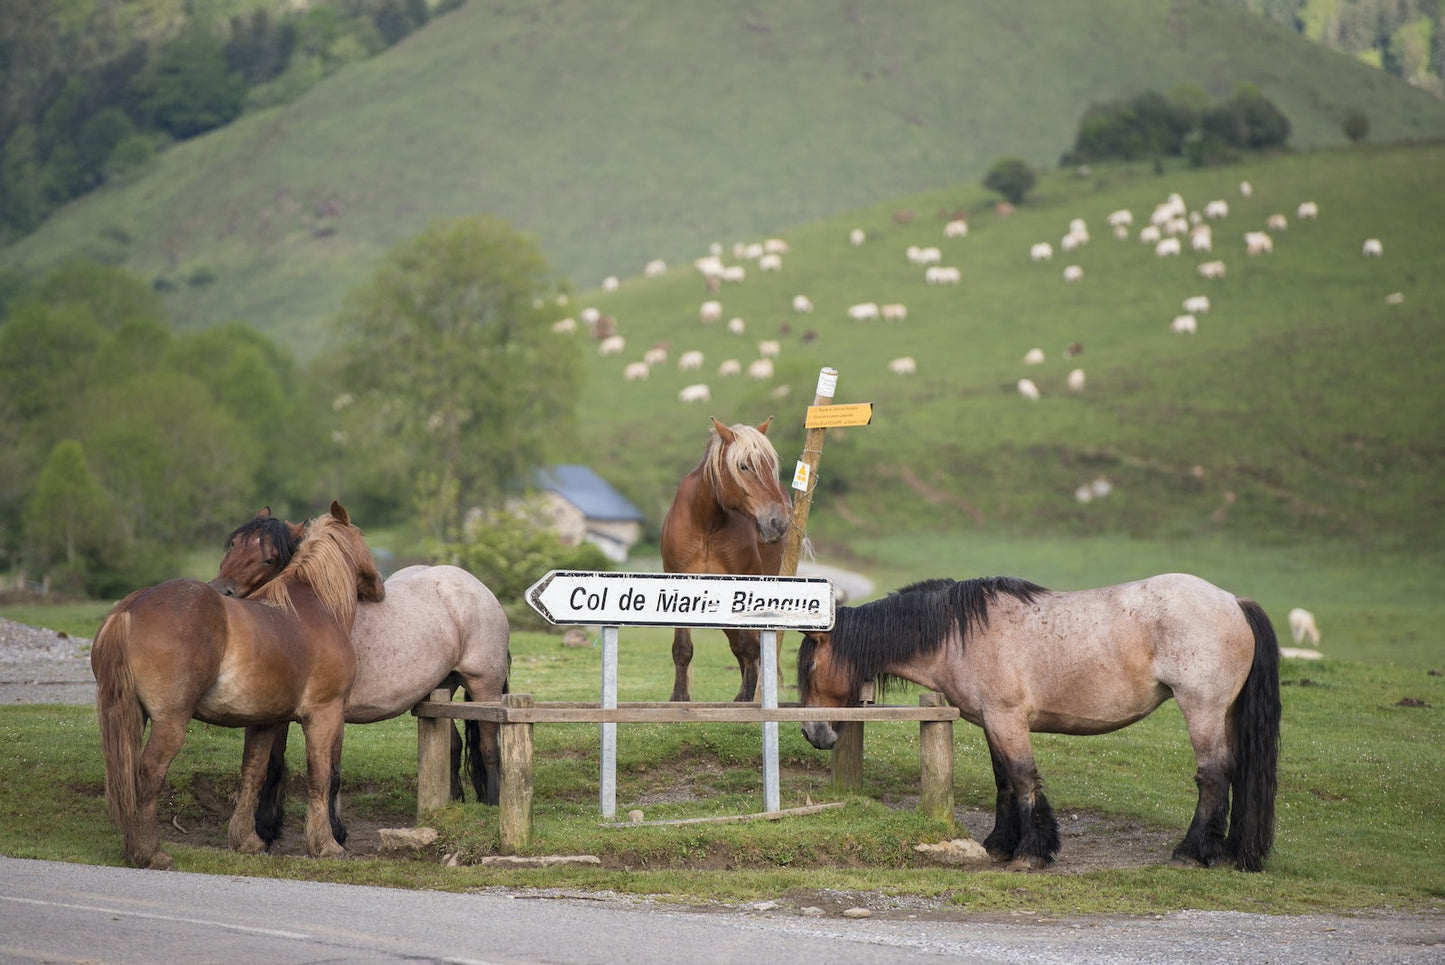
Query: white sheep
694	393
1076	380
770	348
801	304
760	369
1307	211
1042	251
1027	389
710	312
1073	273
1197	304
1184	325
1373	248
689	361
635	371
895	312
905	365
1034	356
863	311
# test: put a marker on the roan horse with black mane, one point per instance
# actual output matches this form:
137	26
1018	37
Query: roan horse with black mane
728	516
1014	658
180	650
438	627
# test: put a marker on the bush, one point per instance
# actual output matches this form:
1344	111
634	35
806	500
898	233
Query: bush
1012	178
511	550
1356	126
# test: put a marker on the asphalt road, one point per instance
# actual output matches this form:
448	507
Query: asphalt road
53	912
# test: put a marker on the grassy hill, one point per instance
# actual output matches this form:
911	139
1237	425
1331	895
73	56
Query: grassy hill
615	138
1304	412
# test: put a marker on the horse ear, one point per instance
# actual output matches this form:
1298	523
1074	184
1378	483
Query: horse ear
265	511
339	513
723	432
764	427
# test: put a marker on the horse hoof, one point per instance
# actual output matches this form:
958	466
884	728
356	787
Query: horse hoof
1179	861
333	851
1028	862
160	861
251	845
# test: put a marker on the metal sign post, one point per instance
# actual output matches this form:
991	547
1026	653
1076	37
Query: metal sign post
610	600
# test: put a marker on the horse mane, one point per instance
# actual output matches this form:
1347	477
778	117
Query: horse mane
749	446
914	620
269	529
326	561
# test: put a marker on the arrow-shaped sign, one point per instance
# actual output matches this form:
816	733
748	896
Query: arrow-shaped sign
683	600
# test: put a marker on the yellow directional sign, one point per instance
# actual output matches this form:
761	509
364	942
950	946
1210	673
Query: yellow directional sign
837	416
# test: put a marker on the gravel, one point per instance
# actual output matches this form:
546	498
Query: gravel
40	666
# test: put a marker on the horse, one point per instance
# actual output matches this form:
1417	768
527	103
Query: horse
179	650
439	626
728	516
1016	658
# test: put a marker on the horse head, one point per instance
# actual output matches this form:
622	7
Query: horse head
744	474
370	587
256	552
822	682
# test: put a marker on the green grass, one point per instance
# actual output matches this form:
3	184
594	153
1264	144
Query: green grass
1360	820
618	136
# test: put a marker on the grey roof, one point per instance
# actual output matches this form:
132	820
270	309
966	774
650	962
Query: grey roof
588	491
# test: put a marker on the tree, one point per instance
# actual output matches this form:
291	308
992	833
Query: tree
447	369
68	516
1012	178
193	90
1356	126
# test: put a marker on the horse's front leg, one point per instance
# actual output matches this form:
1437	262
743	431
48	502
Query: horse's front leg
323	776
681	663
1032	829
255	758
747	648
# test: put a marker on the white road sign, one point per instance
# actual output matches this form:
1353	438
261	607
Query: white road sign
683	600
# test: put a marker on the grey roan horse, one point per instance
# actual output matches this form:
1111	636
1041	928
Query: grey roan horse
1014	657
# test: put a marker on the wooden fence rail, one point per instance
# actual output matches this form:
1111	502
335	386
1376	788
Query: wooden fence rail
517	713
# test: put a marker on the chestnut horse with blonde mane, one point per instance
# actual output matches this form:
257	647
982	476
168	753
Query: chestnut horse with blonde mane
729	516
438	627
179	651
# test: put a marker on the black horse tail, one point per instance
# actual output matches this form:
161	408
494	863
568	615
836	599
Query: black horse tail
1255	735
476	764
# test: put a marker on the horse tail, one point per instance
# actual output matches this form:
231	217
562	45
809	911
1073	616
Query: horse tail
475	760
122	720
1255	720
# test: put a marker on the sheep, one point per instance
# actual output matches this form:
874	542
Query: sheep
1034	356
730	367
710	312
635	371
1027	389
1121	232
734	273
689	361
1042	251
1201	238
736	326
590	316
1395	298
1302	626
760	369
775	246
1197	304
801	304
923	256
655	355
1307	211
895	312
905	365
1167	247
1246	189
942	275
770	349
1258	243
694	393
611	283
1276	222
565	326
863	311
1122	218
1373	248
1076	380
611	345
1150	234
655	268
1216	209
1073	273
1184	325
770	262
856	237
957	228
1211	269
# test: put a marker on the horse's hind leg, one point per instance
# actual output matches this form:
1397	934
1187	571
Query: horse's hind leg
1203	843
681	663
271	803
242	834
142	841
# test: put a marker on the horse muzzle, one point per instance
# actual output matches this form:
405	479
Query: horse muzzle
223	587
773	526
820	734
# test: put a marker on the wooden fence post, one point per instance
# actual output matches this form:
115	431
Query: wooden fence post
935	762
514	817
433	759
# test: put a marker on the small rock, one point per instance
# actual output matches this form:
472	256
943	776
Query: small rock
957	851
811	911
635	816
407	839
765	906
857	913
453	860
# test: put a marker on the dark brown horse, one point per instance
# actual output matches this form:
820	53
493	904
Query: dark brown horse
439	627
180	650
728	516
1014	658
